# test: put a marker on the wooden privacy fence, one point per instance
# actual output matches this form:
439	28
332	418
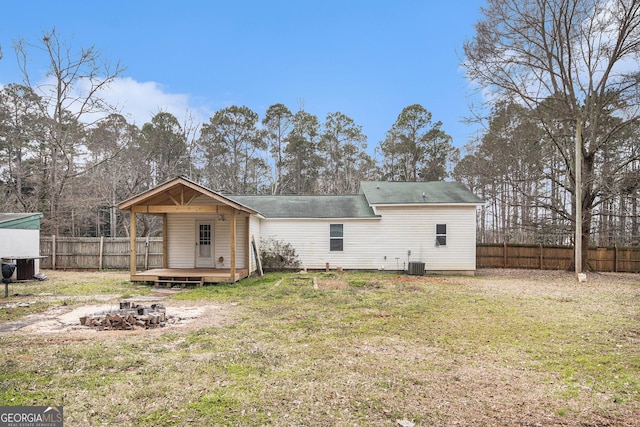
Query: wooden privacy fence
99	253
503	255
113	254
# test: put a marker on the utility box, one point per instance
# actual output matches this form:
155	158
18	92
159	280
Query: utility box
416	268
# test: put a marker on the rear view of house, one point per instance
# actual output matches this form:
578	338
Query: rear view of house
386	226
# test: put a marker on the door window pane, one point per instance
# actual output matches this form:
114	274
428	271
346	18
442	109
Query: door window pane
205	240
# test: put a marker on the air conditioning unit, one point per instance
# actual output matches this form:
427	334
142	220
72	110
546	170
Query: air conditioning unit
416	268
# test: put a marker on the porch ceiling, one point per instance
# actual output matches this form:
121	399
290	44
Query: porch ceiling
179	195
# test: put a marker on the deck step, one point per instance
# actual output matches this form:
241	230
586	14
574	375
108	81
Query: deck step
177	280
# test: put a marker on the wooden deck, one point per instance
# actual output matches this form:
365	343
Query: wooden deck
188	276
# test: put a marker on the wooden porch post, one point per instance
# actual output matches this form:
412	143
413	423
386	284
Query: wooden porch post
233	245
132	244
247	248
165	242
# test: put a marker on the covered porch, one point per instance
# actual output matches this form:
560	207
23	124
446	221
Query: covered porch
188	276
206	236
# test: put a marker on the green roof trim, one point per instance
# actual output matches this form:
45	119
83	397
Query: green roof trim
433	192
349	206
20	221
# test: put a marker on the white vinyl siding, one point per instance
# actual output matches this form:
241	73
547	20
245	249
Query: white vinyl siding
414	229
383	243
310	239
181	230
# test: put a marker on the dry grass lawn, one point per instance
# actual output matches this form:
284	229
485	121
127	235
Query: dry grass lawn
504	348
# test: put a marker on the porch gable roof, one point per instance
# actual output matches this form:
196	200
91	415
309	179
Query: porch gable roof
179	191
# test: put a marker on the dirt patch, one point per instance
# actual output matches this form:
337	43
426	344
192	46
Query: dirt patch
64	319
333	284
553	284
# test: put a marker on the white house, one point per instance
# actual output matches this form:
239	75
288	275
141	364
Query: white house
20	243
386	226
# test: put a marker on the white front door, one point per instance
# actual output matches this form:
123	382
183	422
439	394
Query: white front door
204	244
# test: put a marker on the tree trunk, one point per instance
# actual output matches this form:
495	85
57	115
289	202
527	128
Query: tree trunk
587	217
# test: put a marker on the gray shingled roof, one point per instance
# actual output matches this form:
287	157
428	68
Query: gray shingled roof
382	193
351	206
358	205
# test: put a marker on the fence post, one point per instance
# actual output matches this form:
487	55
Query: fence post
101	252
504	253
615	258
541	256
53	252
146	253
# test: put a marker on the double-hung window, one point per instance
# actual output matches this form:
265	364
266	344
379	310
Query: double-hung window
441	234
336	237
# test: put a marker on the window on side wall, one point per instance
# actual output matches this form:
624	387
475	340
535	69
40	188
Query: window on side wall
336	237
441	234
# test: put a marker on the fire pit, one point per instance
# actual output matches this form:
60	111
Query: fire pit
129	316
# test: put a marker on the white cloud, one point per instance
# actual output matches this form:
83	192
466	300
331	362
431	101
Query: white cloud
138	102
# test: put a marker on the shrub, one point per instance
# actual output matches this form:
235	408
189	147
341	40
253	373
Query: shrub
278	255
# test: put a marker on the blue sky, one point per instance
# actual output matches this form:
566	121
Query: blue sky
366	59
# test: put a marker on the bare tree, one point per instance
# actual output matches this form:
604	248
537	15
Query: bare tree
71	99
115	151
574	64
